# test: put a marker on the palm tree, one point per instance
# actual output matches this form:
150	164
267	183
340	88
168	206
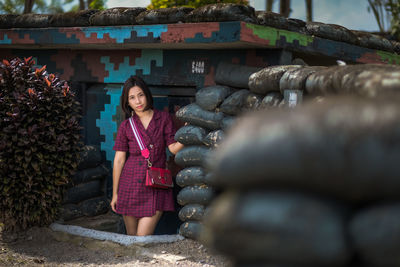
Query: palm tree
269	5
28	6
309	10
284	8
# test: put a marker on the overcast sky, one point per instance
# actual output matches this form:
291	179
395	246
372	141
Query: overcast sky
352	14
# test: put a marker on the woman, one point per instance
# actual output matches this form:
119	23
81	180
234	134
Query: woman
141	206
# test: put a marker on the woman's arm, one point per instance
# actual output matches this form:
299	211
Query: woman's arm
175	147
119	161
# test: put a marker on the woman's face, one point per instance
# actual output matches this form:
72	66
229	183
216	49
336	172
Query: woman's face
137	99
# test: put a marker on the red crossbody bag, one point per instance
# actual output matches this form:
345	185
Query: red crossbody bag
155	177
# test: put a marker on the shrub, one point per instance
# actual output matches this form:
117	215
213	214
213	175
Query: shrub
39	143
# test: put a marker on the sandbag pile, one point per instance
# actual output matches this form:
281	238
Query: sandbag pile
209	13
213	112
312	186
86	195
369	80
201	134
327	31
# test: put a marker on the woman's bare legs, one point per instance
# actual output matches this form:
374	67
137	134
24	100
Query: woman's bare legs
146	225
141	226
131	224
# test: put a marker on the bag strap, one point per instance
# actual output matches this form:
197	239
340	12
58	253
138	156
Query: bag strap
143	149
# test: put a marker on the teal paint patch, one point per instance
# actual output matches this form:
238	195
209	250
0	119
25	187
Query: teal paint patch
119	34
5	40
106	124
124	70
156	30
122	33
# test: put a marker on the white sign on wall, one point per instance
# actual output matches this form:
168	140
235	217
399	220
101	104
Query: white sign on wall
198	67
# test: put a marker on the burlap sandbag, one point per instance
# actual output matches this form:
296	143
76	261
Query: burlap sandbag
321	82
191	176
83	191
222	12
271	100
332	32
191	156
32	21
191	212
197	194
190	135
163	15
375	233
252	102
89	157
195	115
346	147
209	98
90	174
190	229
235	103
214	138
234	75
7	20
295	79
373	41
277	227
72	19
116	16
371	80
267	79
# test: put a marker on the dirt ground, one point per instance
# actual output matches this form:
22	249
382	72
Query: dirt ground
41	247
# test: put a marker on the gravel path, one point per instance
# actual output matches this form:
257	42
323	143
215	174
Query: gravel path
40	247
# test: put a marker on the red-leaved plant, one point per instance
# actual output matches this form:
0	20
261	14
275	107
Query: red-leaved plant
39	143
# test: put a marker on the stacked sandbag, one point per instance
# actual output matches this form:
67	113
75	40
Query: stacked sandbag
331	31
72	19
317	186
373	41
222	12
86	195
243	97
116	16
368	80
212	114
201	134
7	20
163	15
32	21
276	20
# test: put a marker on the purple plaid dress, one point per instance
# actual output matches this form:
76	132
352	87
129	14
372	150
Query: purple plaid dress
134	198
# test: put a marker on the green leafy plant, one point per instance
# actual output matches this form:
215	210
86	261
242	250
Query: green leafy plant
39	143
387	13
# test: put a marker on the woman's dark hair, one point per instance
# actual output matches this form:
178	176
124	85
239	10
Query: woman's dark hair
131	82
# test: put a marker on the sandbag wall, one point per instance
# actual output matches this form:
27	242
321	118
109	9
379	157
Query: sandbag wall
213	112
318	82
86	195
316	185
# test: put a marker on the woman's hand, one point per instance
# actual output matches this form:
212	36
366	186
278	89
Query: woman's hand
113	203
175	147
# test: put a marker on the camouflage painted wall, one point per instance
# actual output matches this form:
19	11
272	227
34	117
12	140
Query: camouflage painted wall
173	76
